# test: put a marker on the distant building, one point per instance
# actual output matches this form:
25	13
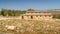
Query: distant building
36	15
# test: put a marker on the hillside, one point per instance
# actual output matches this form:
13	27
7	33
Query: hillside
30	26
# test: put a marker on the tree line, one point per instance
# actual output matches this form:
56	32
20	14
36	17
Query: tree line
5	12
56	16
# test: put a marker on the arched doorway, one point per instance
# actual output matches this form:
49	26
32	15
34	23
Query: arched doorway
22	17
31	17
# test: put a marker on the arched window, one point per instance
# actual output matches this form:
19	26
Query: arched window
37	16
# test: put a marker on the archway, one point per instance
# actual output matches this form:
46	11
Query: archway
31	17
22	17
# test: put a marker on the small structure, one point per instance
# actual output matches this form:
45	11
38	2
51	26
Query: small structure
36	15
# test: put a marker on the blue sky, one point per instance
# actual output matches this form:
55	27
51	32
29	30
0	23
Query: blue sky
26	4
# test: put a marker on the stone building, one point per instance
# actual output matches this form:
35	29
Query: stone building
36	15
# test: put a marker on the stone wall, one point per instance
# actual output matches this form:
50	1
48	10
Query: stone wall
36	17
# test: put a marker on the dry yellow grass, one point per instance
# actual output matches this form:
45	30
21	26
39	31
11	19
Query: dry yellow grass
30	27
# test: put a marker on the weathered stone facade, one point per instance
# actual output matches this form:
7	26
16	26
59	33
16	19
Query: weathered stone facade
36	15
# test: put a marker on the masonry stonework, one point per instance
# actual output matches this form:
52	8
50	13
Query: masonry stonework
36	15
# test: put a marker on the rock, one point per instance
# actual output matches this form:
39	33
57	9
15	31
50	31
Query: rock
10	27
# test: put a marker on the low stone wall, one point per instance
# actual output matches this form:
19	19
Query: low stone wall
27	18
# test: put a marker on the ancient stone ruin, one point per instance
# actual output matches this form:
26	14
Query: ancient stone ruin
36	15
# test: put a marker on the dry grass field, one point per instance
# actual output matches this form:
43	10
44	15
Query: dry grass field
29	26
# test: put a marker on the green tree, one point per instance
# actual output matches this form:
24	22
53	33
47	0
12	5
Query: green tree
56	16
4	12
